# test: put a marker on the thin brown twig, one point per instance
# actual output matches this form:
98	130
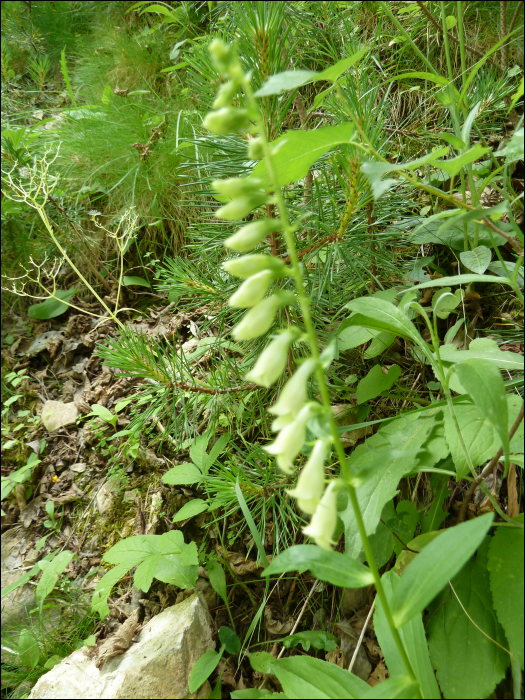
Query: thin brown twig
490	466
361	636
516	15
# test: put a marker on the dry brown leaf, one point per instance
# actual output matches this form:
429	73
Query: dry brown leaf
274	622
120	641
379	674
336	657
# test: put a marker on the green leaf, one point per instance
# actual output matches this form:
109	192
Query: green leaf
217	578
50	308
376	382
413	638
375	170
433	568
505	563
399	687
102	412
190	509
379	344
138	281
477	432
50	576
514	149
352	336
332	73
376	314
483	381
28	649
296	151
217	449
334	567
476	260
404	524
251	525
203	668
230	640
312	638
443	302
100	596
186	473
386	458
306	677
516	96
261	661
454	165
435	516
484	349
468	663
462	279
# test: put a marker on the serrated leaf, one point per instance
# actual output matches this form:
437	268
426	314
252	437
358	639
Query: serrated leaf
296	151
186	473
413	638
376	382
433	568
306	677
386	458
51	308
484	384
334	567
476	260
189	510
505	563
468	664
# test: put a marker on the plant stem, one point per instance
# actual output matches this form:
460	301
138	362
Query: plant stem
304	303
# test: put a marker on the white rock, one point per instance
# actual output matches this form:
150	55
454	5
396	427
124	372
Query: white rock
56	414
157	666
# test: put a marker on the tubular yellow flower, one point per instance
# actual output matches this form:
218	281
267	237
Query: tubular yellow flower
252	234
249	265
324	520
293	395
310	484
259	318
272	360
252	290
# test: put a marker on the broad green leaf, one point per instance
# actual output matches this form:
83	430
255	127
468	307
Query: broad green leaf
312	638
385	458
443	302
203	668
145	573
137	281
483	349
476	260
435	515
100	596
379	344
102	412
377	314
413	638
433	568
198	450
375	170
505	563
186	473
403	524
291	79
349	337
131	550
514	149
454	165
432	230
50	308
28	648
296	151
306	677
462	279
230	640
334	567
217	449
217	578
376	382
498	269
467	662
484	384
516	96
189	510
477	432
261	661
399	687
50	576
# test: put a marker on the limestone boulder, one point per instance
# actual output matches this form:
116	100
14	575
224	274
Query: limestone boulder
56	414
157	665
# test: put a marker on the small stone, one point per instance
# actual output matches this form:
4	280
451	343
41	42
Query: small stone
105	498
56	414
79	467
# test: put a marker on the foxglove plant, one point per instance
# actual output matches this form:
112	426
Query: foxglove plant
293	411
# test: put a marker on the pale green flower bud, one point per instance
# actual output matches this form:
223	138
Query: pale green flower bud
310	484
249	236
226	120
221	54
259	319
250	265
252	290
273	359
255	149
324	520
226	93
237	186
293	395
241	206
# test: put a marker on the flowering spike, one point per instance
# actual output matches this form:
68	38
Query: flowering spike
324	520
252	290
249	265
227	120
310	484
252	234
293	395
